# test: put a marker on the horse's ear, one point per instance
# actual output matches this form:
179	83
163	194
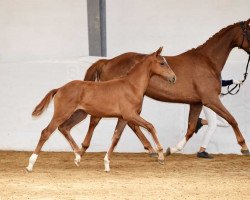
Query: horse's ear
158	52
248	22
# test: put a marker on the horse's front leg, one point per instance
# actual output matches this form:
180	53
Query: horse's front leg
115	139
215	104
146	144
194	112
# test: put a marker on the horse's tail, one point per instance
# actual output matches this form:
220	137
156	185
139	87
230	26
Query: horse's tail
93	72
44	103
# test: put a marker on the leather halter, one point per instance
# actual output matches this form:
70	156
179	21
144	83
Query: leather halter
246	34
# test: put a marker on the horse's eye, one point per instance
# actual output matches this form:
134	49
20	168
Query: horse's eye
162	63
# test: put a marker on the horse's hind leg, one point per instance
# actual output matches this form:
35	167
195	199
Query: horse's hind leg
43	138
144	140
216	105
194	112
65	128
115	139
59	117
93	123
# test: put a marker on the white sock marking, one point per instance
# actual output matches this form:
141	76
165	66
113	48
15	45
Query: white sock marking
106	163
32	161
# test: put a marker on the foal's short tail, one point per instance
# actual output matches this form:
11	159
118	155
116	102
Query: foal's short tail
44	103
93	72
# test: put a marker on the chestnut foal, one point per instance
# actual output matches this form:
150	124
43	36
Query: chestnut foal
120	98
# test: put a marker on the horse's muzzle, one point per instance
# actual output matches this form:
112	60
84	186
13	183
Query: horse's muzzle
172	79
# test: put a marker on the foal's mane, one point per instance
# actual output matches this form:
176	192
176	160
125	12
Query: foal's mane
216	36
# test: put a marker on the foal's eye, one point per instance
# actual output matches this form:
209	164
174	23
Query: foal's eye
162	63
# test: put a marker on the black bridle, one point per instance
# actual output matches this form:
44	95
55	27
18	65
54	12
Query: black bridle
236	88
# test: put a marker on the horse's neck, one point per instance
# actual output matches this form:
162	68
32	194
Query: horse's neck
139	77
218	47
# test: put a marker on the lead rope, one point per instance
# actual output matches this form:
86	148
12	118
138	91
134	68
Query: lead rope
237	86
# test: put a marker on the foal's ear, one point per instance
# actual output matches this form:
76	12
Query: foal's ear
158	52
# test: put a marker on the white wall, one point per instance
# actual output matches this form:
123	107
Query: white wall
42	29
41	44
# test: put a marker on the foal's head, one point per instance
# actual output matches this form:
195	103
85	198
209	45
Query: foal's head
244	36
160	66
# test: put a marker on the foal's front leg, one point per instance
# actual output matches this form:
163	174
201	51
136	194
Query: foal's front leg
121	124
65	128
139	121
144	140
92	124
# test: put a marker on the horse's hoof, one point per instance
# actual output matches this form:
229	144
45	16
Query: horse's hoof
107	170
153	155
245	152
161	162
28	170
168	152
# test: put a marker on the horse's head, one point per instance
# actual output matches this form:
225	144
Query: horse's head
160	66
244	37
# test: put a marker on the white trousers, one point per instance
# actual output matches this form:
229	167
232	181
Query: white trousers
213	121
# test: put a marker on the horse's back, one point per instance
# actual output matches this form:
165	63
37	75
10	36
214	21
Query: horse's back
119	66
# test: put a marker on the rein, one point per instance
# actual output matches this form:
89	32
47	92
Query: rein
236	88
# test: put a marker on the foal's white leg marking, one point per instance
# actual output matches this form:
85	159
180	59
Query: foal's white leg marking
179	146
32	161
77	159
106	163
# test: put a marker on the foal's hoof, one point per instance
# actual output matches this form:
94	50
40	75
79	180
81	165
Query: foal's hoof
245	152
162	162
77	163
168	152
153	155
77	160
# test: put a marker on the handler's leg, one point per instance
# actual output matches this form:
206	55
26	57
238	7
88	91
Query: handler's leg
212	124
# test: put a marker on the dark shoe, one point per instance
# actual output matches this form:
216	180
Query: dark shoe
204	154
198	125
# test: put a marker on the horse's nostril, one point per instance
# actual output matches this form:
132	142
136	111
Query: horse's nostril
174	79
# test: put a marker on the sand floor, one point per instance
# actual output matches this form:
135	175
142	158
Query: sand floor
132	176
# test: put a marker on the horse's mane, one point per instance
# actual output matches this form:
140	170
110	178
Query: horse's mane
215	36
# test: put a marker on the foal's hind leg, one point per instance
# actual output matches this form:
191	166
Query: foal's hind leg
65	128
194	112
143	140
43	138
93	123
216	105
115	139
59	117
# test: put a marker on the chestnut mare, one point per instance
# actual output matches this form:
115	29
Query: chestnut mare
121	97
199	83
